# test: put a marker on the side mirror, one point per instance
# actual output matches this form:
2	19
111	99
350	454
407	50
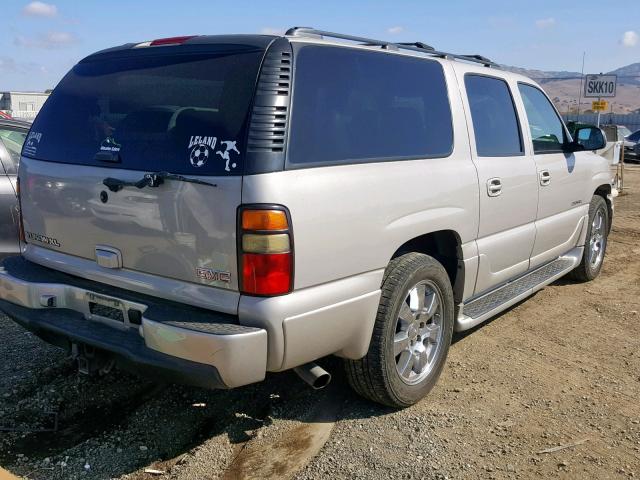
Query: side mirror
590	138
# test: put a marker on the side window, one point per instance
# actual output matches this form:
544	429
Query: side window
547	131
354	106
12	140
495	121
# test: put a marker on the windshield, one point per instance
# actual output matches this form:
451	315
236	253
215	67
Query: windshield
182	113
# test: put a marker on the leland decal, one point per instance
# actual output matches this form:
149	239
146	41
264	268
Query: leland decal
229	146
211	275
201	151
36	237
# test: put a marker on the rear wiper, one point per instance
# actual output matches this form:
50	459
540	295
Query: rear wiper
150	180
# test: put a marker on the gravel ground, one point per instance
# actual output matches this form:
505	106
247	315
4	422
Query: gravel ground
561	369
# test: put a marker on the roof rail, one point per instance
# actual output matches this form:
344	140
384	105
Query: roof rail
413	46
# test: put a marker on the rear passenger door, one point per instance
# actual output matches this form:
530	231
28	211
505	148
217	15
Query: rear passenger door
507	178
561	177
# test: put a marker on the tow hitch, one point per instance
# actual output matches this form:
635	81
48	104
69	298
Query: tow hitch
91	361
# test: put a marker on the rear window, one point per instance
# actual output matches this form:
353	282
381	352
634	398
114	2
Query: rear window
183	113
353	106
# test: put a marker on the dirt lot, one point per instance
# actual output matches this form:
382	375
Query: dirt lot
560	369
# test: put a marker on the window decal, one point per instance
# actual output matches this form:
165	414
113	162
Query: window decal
31	145
200	149
230	146
109	144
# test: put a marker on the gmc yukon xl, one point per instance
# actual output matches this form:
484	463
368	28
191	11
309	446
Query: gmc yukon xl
207	209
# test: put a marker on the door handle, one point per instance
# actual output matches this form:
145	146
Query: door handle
545	177
494	187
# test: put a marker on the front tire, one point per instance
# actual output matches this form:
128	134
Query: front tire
411	335
595	243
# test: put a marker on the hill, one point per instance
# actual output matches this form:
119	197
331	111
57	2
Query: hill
563	88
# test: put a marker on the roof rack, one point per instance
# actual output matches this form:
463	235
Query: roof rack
414	46
421	45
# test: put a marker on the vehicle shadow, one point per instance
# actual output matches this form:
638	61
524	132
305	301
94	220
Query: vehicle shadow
123	423
459	336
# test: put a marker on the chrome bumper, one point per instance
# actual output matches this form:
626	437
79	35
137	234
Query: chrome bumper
238	353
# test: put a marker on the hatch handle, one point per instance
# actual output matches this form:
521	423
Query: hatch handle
115	184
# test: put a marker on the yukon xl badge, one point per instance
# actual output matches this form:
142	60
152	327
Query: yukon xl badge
42	239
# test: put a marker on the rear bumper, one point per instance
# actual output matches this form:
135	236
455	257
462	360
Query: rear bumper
177	342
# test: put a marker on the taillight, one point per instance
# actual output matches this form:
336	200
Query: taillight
266	250
21	236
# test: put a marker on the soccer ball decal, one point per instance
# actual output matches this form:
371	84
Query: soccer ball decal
199	155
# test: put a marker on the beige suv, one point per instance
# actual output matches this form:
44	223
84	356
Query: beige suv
208	209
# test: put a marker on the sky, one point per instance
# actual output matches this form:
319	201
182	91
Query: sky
40	41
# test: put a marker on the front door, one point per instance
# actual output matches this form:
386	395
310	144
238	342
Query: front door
560	176
508	181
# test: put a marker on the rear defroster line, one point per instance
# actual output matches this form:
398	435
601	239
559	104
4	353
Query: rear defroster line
150	180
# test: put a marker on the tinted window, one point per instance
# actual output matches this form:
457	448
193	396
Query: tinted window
12	141
495	121
183	113
352	106
547	130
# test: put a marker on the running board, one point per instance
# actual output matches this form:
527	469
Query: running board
488	305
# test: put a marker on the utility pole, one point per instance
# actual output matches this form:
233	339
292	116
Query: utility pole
599	111
580	90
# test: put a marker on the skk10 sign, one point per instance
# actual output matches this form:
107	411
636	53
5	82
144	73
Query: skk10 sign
600	86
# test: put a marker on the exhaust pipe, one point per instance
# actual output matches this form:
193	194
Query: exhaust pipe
314	375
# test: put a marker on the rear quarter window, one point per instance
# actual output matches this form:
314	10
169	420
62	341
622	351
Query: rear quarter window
182	112
352	106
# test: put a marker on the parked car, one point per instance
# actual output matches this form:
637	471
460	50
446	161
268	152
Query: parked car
623	132
12	136
365	204
631	148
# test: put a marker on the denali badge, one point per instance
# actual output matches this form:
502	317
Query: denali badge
42	239
211	275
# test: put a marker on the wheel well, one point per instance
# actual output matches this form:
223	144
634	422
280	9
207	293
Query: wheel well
604	191
444	246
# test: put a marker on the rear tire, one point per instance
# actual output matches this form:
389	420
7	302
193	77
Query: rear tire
411	336
595	244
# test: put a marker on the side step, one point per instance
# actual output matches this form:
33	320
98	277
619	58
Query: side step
480	309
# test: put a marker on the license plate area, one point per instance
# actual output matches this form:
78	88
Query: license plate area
106	311
109	309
